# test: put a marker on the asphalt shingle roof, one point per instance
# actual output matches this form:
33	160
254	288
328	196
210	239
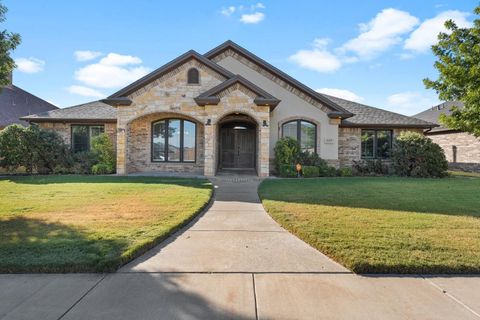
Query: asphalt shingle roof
94	110
432	114
370	116
16	103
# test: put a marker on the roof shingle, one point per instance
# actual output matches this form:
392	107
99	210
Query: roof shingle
91	111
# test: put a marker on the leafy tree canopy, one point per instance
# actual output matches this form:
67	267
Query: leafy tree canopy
8	42
458	63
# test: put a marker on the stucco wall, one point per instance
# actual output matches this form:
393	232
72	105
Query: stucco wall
291	106
468	147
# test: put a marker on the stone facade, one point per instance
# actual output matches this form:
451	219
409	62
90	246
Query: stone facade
349	144
467	154
171	97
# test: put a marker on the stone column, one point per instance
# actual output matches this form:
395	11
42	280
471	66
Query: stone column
210	151
264	141
122	149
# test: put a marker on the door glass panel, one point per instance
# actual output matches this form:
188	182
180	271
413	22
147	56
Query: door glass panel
307	136
188	141
158	147
174	140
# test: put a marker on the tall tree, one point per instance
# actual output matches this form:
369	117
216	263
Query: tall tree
458	62
8	42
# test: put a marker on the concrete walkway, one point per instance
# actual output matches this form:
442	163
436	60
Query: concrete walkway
235	262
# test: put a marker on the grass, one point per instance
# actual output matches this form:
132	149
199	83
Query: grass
383	225
464	174
90	223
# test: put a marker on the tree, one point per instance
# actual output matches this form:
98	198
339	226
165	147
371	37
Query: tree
458	54
8	42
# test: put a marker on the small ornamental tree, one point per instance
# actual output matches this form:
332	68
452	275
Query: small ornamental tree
415	155
102	148
12	148
286	152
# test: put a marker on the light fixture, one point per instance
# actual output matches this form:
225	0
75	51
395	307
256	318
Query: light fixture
265	124
209	122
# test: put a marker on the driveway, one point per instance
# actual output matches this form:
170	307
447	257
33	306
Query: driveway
235	262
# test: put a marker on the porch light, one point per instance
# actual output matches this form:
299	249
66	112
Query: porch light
209	122
265	124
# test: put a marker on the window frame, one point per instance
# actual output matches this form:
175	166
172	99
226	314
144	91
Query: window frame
299	131
89	142
375	143
167	125
188	76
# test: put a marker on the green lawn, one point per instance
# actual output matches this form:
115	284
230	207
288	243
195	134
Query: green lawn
90	223
383	225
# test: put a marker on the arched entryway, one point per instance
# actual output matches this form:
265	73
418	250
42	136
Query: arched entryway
237	145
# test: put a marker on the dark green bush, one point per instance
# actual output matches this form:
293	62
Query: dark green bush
345	172
370	167
101	168
286	152
310	171
287	171
102	149
12	147
306	158
415	155
327	171
83	162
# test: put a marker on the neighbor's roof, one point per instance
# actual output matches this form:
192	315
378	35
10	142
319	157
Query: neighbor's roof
367	116
432	114
94	111
16	103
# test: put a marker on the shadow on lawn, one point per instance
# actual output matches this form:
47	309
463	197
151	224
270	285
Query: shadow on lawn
442	196
31	245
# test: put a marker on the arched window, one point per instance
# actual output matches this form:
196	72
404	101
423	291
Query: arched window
304	132
193	76
174	140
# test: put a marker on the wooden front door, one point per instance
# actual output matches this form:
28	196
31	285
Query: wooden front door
237	148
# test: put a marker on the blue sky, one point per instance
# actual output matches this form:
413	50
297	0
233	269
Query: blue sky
376	53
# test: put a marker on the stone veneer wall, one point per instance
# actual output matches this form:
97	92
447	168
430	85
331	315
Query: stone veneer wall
65	131
349	144
468	149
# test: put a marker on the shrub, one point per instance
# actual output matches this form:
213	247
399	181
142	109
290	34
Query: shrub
102	148
83	162
101	168
306	158
12	147
370	167
287	171
310	171
345	172
286	152
415	155
327	171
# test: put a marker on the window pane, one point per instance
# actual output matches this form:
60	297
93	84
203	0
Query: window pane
174	140
188	141
290	130
307	136
367	143
158	140
384	143
79	138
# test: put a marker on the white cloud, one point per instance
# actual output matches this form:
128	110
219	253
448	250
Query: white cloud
341	93
111	71
86	55
252	18
410	103
381	33
426	34
318	58
29	65
259	5
85	91
227	12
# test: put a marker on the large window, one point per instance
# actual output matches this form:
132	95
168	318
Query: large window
82	136
173	140
376	144
304	132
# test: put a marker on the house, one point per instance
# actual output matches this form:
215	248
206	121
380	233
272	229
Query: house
16	102
225	110
461	149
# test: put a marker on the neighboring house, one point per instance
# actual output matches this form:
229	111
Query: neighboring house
461	149
16	103
225	110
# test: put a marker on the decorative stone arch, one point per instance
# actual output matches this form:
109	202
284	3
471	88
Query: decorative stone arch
246	112
312	120
168	114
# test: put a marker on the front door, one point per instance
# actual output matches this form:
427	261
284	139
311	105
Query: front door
237	147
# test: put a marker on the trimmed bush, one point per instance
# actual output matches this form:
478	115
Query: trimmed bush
310	171
101	168
345	172
306	158
415	155
102	149
286	152
327	171
371	167
287	171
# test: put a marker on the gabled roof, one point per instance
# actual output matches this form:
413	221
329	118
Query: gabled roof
95	111
338	111
263	98
433	114
192	54
371	117
16	102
